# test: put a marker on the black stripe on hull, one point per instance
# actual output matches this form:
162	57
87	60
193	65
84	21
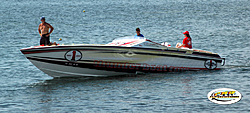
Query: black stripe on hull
119	67
193	57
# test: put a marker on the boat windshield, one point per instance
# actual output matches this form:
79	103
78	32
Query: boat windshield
129	38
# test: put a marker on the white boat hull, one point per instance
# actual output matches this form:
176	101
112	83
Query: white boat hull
97	60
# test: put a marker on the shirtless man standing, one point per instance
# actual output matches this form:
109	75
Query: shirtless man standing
43	30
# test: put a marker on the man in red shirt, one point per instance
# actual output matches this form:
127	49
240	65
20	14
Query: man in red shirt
187	41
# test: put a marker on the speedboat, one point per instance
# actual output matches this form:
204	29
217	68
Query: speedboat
122	56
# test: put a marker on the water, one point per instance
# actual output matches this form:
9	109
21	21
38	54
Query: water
221	26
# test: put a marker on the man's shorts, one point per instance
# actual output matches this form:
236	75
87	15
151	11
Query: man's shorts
44	40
